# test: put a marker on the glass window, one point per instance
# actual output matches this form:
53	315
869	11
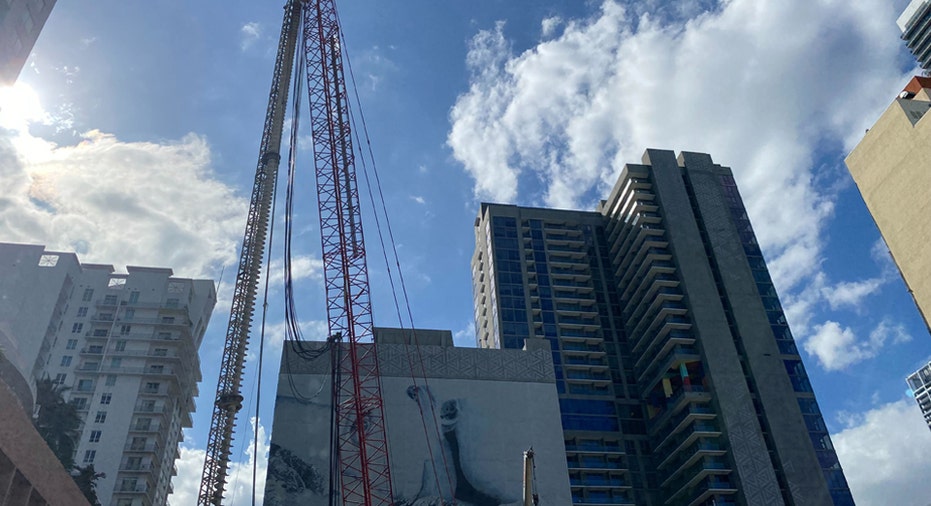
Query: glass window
82	311
72	344
95	436
101	417
111	380
66	361
76	328
88	294
105	398
89	456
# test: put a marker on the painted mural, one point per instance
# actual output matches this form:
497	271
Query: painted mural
451	441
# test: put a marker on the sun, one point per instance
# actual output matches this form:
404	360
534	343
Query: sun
20	106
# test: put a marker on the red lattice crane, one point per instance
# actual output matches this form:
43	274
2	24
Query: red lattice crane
362	442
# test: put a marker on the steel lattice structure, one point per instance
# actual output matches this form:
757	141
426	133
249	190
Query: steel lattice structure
229	397
363	448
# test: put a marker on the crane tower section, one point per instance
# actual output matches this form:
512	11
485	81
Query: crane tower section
362	439
229	397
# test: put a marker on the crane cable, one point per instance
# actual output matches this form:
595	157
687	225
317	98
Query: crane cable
394	292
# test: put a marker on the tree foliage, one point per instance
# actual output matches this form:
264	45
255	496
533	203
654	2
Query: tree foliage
58	421
59	424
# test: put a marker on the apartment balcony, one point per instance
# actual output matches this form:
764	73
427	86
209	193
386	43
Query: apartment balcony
647	307
598	448
584	360
595	464
146	428
681	354
703	485
665	322
151	447
139	488
583	347
666	427
137	468
648	361
687	450
679	400
587	375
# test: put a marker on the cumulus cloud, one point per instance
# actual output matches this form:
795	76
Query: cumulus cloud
116	202
239	478
553	125
248	34
465	338
886	452
837	347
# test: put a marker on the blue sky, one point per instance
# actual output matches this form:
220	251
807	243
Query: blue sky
133	134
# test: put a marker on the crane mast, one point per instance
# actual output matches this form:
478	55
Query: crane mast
229	397
362	440
361	436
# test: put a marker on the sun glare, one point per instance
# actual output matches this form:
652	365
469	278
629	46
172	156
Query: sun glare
20	106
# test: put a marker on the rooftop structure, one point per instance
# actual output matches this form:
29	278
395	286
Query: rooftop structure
915	23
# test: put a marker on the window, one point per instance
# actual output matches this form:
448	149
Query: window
60	379
121	344
148	406
100	332
124	502
125	329
105	398
128	485
76	328
172	302
111	380
168	319
107	317
130	313
88	294
95	436
79	403
72	344
101	417
66	361
160	352
95	349
85	385
116	362
138	443
164	336
110	300
82	311
133	297
143	424
156	369
152	386
89	456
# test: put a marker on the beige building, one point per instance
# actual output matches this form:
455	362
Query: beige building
892	169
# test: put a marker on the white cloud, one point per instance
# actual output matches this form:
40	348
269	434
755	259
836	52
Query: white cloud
885	454
465	338
838	347
418	199
302	267
248	34
115	202
569	112
239	478
549	25
851	293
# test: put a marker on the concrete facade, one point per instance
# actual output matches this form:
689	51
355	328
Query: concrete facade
890	167
125	345
661	304
458	421
20	24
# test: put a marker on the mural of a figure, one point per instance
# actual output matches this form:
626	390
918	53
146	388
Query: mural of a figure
459	475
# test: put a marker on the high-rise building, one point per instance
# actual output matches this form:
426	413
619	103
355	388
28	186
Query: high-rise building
125	345
458	421
890	168
915	23
919	383
678	379
20	24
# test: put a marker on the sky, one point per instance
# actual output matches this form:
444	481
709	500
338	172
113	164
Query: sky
132	136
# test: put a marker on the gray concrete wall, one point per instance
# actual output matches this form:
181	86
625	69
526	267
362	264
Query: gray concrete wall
774	389
755	473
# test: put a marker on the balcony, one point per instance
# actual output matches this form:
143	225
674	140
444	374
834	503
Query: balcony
697	489
595	448
681	354
679	422
139	468
680	399
687	450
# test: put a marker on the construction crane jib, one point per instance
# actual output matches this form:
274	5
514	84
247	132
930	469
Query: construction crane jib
362	442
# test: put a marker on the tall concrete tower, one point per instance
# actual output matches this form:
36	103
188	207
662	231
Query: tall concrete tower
20	24
678	378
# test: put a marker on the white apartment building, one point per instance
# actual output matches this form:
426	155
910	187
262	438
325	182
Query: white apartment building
125	344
